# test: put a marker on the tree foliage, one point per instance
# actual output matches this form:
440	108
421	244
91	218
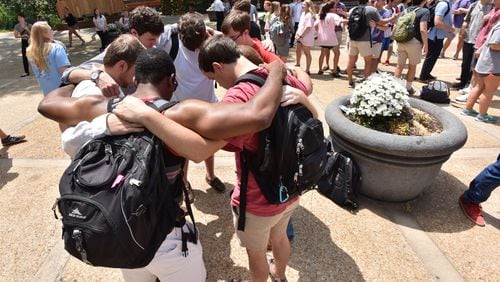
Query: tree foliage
33	10
179	7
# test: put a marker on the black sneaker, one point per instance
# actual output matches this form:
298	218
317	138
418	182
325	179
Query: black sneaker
12	140
216	184
411	91
351	84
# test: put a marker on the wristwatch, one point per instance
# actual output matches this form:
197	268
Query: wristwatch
94	75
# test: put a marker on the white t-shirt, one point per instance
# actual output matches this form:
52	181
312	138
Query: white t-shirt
192	83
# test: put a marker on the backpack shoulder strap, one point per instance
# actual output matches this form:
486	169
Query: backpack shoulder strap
252	78
161	104
158	104
174	37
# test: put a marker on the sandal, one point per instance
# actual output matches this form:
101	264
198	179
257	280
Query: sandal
216	184
270	260
325	68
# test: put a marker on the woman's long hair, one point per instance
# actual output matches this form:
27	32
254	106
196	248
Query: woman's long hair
325	9
95	14
40	44
309	8
285	14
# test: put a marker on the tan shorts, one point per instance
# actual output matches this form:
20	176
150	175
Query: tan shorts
376	50
411	50
360	47
259	228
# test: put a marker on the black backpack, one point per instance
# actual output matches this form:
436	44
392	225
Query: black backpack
436	92
341	180
291	156
432	11
357	24
116	203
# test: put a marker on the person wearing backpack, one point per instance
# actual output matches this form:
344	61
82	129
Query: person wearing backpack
280	32
361	18
413	49
440	28
220	59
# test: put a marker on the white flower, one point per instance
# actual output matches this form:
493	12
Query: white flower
379	95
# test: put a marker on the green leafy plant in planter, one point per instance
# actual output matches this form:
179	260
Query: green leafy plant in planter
381	103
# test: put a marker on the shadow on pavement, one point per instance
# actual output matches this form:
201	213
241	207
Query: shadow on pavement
314	254
5	165
216	235
435	210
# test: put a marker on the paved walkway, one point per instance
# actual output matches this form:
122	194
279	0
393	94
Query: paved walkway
424	239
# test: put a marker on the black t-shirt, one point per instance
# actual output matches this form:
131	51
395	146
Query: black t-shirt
70	19
422	15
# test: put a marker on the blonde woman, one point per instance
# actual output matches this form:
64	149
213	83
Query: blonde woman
305	34
48	59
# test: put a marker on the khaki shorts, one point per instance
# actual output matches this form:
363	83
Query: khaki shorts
259	228
411	50
360	47
376	50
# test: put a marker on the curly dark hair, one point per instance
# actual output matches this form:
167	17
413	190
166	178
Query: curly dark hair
192	30
145	19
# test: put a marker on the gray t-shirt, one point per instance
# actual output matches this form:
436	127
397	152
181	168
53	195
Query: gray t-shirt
24	34
475	19
489	60
371	14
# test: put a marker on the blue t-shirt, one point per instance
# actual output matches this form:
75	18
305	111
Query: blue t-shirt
51	78
441	9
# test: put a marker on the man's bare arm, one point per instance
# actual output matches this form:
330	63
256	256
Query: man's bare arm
60	107
222	120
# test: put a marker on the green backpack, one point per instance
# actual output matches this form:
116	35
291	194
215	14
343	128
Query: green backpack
405	27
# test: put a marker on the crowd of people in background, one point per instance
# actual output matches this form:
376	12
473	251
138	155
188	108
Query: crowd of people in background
198	56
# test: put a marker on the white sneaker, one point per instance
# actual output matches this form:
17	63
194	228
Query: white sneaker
462	98
465	90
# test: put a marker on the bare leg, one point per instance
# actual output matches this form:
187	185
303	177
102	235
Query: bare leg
490	87
389	53
70	35
327	57
350	66
321	59
447	43
281	254
398	71
209	164
460	44
258	265
368	66
2	134
475	92
336	57
298	53
307	53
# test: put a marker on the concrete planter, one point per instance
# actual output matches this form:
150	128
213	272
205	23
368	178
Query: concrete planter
396	168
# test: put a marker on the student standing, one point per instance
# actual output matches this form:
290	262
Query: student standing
72	26
22	30
101	27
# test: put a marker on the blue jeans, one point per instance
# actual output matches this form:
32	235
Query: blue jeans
481	187
290	233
